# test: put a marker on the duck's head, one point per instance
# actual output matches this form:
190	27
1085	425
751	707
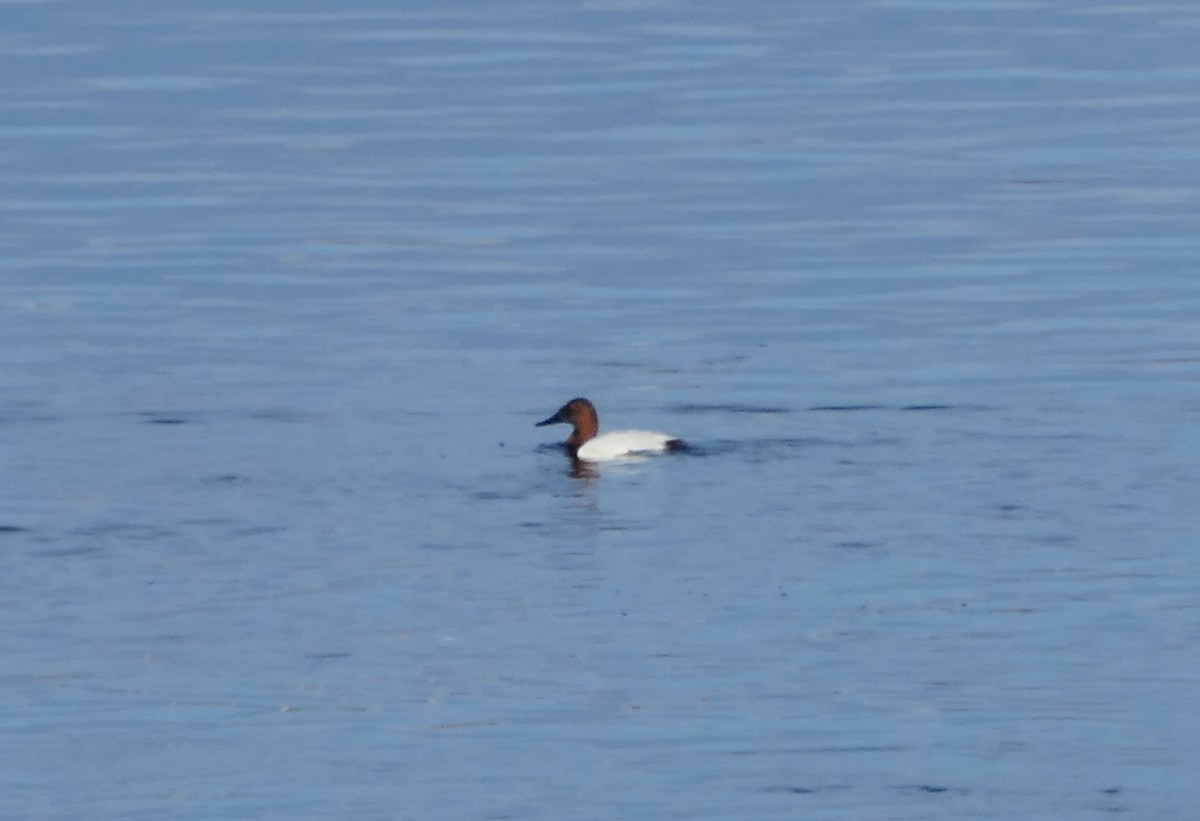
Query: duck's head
581	415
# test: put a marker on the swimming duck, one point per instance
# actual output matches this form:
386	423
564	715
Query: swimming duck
584	444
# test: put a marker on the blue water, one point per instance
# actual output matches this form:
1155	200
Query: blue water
284	287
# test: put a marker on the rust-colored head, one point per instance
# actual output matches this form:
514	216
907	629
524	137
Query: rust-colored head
581	415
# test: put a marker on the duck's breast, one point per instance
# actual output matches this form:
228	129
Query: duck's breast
620	443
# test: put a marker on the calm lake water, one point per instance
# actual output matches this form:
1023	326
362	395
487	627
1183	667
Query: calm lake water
285	286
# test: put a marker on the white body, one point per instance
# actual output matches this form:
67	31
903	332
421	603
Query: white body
621	443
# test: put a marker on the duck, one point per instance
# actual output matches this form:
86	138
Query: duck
584	443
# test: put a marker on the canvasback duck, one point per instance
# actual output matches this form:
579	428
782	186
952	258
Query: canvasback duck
584	444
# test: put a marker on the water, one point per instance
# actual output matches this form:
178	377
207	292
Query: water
285	288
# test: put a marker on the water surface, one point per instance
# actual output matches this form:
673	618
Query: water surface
285	288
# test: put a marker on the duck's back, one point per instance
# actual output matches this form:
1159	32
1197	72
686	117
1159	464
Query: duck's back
619	443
